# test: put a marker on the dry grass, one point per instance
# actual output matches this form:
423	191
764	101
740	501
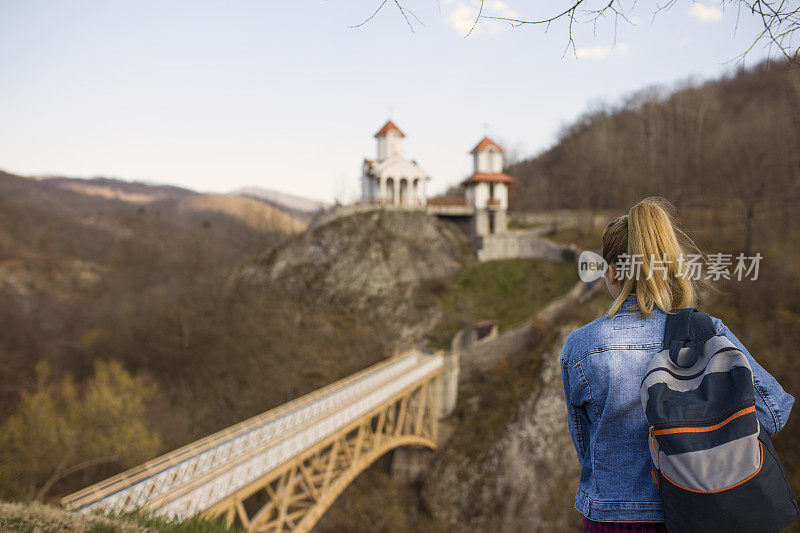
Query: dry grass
37	517
41	518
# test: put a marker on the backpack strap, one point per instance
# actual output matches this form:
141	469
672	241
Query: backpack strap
687	328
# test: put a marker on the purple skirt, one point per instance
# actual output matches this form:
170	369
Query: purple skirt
590	526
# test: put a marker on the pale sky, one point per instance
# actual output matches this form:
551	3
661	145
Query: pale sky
213	96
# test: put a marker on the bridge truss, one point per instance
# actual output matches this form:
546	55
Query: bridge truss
295	496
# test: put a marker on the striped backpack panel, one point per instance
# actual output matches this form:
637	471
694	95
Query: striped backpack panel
715	465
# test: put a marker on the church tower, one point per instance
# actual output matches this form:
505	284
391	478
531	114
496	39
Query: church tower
390	141
487	188
487	157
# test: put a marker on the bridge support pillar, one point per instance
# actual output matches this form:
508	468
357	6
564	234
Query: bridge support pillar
409	464
448	383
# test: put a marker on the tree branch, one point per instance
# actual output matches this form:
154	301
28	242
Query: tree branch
480	12
61	472
780	20
371	16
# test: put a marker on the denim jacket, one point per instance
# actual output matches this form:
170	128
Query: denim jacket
602	365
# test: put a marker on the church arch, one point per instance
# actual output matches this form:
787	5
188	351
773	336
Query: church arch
404	191
390	190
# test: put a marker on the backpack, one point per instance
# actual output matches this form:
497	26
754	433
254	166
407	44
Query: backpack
713	462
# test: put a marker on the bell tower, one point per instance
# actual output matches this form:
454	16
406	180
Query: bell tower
487	189
390	141
487	157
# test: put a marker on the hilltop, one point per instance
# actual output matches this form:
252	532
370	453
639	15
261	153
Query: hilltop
366	255
378	264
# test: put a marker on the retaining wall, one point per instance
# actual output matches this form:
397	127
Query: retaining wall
521	245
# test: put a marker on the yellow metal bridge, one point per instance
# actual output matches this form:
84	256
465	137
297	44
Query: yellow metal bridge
281	470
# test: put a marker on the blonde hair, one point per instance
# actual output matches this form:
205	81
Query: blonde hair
649	232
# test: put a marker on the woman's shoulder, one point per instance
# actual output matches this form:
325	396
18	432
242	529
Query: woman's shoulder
582	338
719	325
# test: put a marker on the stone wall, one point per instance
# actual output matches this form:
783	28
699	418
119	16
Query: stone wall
521	245
563	217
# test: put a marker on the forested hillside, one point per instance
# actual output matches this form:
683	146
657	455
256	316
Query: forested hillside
103	270
729	145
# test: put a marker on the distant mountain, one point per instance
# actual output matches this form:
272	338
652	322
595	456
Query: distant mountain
82	254
303	208
128	191
249	210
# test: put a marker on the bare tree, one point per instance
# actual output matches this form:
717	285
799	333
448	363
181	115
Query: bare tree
780	19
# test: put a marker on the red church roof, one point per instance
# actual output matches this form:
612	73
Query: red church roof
389	126
496	178
485	143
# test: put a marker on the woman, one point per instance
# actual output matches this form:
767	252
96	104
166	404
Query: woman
603	362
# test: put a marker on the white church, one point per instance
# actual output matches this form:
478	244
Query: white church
392	180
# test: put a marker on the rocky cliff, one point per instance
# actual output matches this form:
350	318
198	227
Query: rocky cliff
523	475
381	262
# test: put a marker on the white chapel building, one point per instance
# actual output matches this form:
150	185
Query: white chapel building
487	189
391	178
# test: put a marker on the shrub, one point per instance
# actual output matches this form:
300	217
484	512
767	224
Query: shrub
59	429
